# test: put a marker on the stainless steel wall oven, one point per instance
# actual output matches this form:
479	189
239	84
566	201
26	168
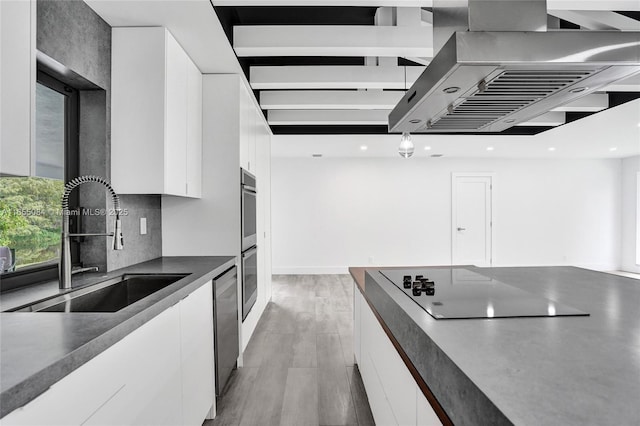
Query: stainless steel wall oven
248	206
249	240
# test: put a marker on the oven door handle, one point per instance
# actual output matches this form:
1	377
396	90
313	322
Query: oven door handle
249	252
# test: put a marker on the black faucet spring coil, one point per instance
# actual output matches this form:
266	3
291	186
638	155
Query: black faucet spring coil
73	183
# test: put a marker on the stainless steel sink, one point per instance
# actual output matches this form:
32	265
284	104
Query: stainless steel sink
107	296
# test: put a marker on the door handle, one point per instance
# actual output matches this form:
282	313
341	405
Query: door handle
462	229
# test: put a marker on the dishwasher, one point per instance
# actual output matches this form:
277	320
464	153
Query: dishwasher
225	320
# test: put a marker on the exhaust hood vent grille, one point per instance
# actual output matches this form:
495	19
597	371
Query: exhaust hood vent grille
508	92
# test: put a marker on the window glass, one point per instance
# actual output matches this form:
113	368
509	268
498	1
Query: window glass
30	221
50	132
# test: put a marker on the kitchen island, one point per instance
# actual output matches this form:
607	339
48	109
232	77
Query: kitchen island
41	349
524	371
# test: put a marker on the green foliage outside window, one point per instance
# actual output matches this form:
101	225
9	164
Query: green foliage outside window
30	218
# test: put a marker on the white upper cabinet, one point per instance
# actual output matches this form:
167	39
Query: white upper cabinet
17	85
156	115
251	124
194	131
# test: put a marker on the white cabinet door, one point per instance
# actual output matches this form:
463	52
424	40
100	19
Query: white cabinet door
176	101
255	123
380	406
17	85
425	414
397	382
138	64
194	131
156	115
196	344
245	111
151	362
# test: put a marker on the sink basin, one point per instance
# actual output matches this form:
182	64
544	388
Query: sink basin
107	296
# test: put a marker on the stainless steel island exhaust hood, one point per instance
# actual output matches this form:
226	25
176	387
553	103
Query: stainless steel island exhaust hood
507	68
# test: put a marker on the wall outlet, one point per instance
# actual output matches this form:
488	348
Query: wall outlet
143	226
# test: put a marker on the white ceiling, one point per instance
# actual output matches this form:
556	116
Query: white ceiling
196	27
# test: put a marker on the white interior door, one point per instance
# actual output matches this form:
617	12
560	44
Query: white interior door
471	219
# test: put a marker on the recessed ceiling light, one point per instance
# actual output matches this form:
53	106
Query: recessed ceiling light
551	148
613	148
510	120
437	155
452	89
578	89
415	121
316	155
490	148
427	148
364	148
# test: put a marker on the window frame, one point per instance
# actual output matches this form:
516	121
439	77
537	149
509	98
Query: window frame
48	270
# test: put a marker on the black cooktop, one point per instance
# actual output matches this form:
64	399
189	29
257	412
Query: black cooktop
459	293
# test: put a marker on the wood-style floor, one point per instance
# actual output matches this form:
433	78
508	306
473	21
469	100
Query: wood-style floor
298	367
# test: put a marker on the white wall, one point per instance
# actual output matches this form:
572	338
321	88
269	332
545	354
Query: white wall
630	214
331	213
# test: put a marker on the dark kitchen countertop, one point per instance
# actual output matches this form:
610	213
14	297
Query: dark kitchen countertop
40	348
526	371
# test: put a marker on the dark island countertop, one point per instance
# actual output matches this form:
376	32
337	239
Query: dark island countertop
524	371
38	349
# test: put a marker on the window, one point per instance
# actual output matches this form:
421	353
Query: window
31	222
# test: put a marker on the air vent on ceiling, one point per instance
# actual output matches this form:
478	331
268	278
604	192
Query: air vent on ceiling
436	155
504	95
316	155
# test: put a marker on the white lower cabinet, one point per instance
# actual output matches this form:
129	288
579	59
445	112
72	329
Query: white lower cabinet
394	396
198	379
425	414
160	374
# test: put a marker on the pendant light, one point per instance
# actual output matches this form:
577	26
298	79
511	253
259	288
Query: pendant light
406	144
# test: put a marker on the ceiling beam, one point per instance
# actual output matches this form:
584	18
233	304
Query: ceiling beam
378	99
631	84
332	40
598	20
329	99
551	4
370	117
554	118
327	117
590	103
333	77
